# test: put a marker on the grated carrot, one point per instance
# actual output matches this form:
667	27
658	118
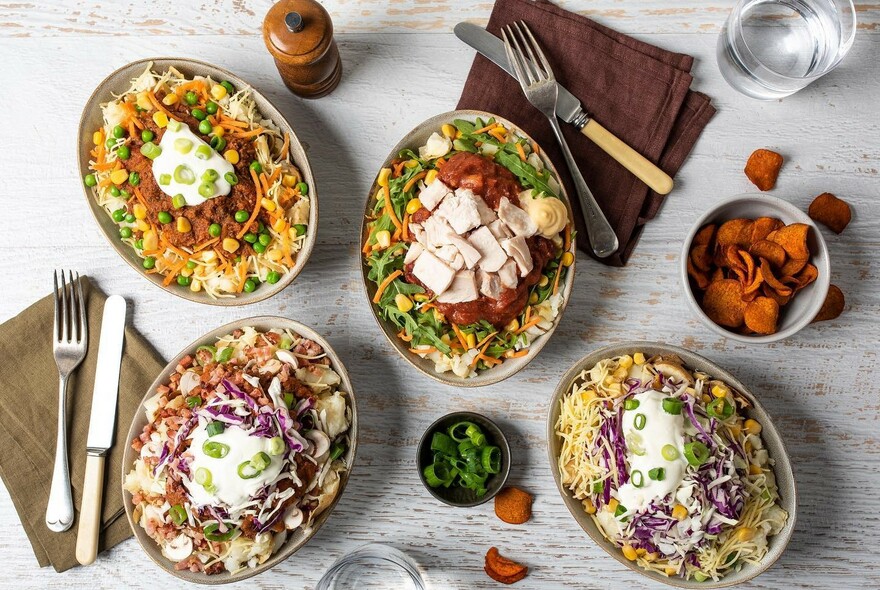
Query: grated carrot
516	354
528	314
131	129
486	339
522	152
103	166
489	360
440	163
485	129
535	148
389	209
174	270
264	183
158	104
274	176
205	244
248	134
242	276
384	285
105	182
405	232
423	350
412	181
460	335
398	169
404	336
285	146
285	248
139	196
256	212
482	352
530	324
498	134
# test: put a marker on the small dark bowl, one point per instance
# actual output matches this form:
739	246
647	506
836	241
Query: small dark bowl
457	495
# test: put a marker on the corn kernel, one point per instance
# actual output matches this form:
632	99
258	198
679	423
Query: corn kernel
183	225
209	256
98	137
384	175
218	131
629	552
533	298
151	240
421	297
170	99
651	556
280	225
275	255
142	225
458	134
589	506
383	238
752	426
268	204
119	176
186	271
545	280
445	337
567	259
471	340
291	233
719	390
755	469
735	430
230	244
143	101
625	361
679	512
745	534
288	180
449	130
439	317
411	163
671	571
413	205
612	505
160	119
403	302
431	176
641	551
139	210
218	92
231	156
195	286
639	358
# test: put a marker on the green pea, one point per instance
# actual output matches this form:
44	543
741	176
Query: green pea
183	281
119	132
149	262
249	286
114	191
125	233
300	229
258	247
124	194
147	135
265	239
273	277
191	98
250	238
210	175
231	178
124	152
130	218
191	264
303	188
218	143
134	179
139	244
110	143
90	180
241	216
261	227
214	230
178	201
164	217
119	215
205	127
211	107
199	114
256	167
228	86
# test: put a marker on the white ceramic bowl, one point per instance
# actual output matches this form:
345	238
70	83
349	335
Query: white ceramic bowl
804	306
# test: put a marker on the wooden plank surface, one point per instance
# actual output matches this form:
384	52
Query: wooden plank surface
819	384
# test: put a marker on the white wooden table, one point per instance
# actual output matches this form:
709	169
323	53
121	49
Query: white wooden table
401	65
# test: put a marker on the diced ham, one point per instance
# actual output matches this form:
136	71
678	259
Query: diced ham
517	220
462	289
490	284
487	214
470	254
460	211
507	274
518	249
432	194
413	252
437	232
492	255
433	272
499	230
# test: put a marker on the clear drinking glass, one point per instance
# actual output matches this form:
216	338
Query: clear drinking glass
769	49
373	567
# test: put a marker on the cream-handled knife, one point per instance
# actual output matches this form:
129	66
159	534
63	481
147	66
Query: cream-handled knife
101	426
569	109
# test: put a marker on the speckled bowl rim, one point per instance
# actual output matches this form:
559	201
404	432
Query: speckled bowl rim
509	367
294	542
498	437
782	469
818	290
298	154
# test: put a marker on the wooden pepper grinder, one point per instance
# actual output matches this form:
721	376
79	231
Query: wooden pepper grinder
299	35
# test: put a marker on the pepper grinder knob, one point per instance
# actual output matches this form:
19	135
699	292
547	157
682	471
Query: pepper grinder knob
294	22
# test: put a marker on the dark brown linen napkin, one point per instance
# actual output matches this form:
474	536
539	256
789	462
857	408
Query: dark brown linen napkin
28	414
637	91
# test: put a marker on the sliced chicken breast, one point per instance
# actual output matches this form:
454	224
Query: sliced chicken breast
462	289
516	219
433	272
492	255
518	249
432	194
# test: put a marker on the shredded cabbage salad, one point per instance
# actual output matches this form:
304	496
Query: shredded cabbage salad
244	447
631	429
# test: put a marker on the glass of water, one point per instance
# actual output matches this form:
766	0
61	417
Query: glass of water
770	49
373	567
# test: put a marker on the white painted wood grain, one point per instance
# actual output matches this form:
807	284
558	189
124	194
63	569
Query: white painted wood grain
819	385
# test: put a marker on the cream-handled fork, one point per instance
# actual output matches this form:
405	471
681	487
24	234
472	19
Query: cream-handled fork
70	342
538	82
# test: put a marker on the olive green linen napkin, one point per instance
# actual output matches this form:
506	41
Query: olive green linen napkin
28	414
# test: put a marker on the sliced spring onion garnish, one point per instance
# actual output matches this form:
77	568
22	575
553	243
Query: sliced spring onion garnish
183	145
203	477
640	421
260	461
669	452
184	175
696	452
462	456
203	152
719	408
672	405
212	532
657	474
276	446
215	428
213	449
178	514
631	404
638	479
246	470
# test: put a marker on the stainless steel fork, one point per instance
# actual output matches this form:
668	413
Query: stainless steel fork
70	335
538	82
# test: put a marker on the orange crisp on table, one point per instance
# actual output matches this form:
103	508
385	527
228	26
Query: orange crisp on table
763	168
833	305
513	505
502	569
828	210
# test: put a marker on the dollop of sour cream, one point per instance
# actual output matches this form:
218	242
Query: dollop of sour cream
644	452
548	213
229	487
186	157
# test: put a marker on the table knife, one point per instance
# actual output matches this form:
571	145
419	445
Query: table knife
101	427
569	109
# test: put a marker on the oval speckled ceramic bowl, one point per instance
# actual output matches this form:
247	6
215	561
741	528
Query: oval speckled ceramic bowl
295	541
804	306
117	83
413	140
782	468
